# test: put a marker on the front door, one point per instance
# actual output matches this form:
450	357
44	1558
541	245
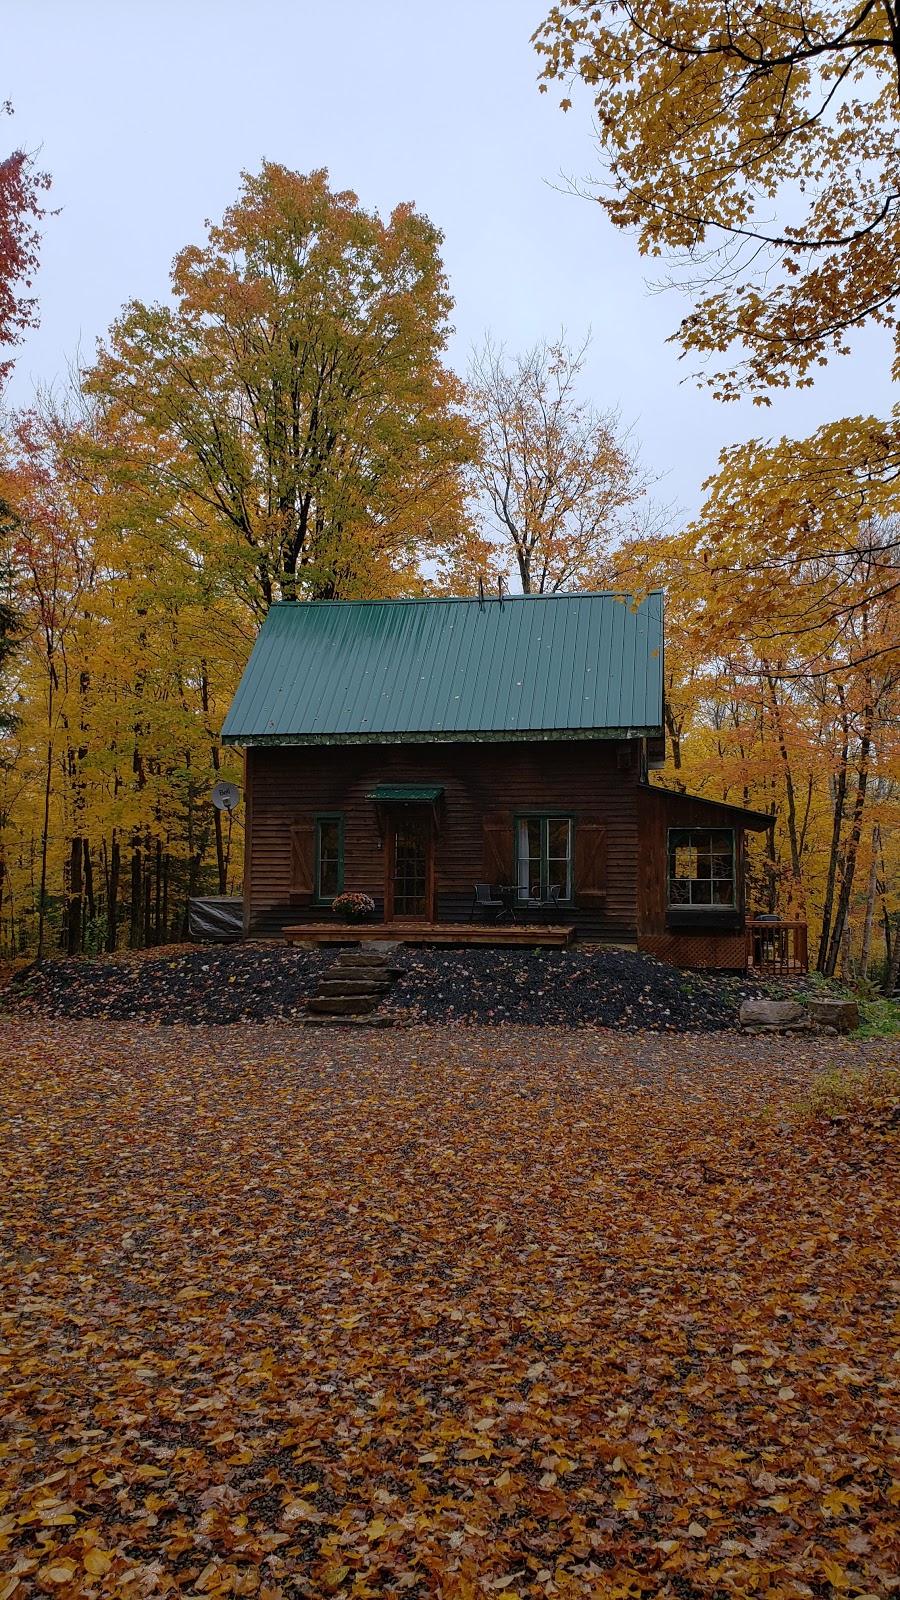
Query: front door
409	894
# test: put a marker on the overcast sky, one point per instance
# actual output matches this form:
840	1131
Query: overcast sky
146	111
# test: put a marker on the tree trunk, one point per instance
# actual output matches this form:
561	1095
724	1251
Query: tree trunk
193	876
42	887
165	898
674	733
770	866
788	779
893	967
217	818
838	803
112	896
852	848
848	974
74	903
870	906
157	898
134	937
148	898
91	904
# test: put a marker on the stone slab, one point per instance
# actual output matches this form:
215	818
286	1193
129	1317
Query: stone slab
772	1014
338	986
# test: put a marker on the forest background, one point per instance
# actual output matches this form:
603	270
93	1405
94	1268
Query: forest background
287	426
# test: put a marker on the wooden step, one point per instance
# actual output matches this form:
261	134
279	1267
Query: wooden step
436	933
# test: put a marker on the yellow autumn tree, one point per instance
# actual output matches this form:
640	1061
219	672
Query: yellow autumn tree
125	664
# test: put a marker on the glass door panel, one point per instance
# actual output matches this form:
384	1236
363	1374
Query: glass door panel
412	866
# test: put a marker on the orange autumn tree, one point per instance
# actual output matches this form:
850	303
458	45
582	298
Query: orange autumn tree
753	151
21	187
783	693
298	411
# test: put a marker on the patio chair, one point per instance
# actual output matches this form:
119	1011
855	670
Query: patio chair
551	903
535	901
484	900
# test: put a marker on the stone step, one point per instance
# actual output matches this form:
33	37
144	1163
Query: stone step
343	1005
361	958
358	974
376	1020
334	986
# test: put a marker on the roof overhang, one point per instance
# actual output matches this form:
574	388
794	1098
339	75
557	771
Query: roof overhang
757	821
249	741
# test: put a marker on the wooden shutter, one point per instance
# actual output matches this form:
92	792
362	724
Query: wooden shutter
590	861
303	862
496	859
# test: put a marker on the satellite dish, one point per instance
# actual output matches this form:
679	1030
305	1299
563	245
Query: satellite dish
225	796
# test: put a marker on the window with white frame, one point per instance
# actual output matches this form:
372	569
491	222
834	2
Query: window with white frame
543	857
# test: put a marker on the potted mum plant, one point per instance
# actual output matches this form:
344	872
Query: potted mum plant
352	907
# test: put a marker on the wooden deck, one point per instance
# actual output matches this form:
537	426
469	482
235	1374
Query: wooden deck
480	933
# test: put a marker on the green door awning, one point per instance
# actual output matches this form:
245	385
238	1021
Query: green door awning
406	793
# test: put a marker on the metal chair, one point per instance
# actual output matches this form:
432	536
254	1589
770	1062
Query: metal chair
551	903
535	901
485	900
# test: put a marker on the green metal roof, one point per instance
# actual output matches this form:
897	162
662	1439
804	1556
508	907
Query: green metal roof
412	792
527	667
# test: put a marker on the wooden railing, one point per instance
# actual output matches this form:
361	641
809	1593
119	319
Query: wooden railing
777	947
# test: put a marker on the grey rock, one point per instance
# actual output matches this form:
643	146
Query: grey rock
839	1014
776	1016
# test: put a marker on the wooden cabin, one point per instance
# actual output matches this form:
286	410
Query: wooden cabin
410	749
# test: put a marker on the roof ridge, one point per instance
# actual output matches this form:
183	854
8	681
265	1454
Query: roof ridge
468	599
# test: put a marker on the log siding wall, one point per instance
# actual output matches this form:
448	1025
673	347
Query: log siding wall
594	780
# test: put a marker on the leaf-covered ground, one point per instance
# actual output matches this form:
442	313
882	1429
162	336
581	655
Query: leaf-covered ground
451	1313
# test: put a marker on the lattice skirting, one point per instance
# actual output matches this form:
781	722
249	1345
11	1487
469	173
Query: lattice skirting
726	950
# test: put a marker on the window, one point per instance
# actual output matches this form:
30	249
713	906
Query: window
701	867
543	856
329	857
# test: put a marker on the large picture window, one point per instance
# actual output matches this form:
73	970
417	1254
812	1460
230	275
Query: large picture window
329	857
543	856
701	867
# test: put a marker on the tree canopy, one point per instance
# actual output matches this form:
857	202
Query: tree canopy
294	395
553	474
21	186
755	146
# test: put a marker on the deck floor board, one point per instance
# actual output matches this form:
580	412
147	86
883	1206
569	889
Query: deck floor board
478	933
